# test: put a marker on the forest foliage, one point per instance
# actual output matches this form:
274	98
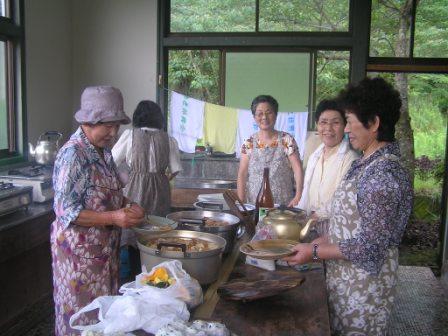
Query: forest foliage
196	72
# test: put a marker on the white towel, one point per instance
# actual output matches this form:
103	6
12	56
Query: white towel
246	126
186	122
296	124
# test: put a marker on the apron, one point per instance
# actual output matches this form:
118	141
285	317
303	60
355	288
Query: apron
85	260
148	184
281	176
359	303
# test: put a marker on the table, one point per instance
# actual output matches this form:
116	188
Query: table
302	310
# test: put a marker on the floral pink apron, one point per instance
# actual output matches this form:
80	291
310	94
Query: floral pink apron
86	259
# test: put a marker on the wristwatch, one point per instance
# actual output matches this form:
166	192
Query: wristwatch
315	256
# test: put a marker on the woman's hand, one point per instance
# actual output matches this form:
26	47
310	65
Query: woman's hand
303	254
128	216
295	200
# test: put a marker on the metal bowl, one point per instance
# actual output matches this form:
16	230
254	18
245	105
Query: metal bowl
192	220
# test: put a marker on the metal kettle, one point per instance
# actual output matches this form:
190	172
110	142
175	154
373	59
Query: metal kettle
288	224
46	148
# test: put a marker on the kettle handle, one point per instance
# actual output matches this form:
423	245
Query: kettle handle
50	133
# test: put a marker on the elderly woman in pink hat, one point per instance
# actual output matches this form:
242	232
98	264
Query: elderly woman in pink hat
90	209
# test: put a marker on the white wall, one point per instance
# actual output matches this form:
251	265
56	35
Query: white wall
71	44
115	43
48	47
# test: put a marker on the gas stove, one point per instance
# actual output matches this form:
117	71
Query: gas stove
13	197
38	176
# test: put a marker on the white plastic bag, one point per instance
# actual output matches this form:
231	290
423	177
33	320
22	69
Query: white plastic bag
132	312
185	287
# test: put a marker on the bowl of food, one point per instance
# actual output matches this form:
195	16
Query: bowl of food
219	223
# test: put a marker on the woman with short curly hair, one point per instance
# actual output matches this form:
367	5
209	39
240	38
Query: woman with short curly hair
368	215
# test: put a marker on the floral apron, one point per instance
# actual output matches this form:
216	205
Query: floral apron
148	184
86	259
359	303
281	176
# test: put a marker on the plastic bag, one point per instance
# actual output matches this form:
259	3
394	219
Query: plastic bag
185	287
132	312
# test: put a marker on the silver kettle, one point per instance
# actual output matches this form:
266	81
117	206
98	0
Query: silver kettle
46	148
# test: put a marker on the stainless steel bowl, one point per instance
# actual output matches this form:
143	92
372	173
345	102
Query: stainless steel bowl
192	220
197	183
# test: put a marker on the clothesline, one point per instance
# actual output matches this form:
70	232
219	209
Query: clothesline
224	128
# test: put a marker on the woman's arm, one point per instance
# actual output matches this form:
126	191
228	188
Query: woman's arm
124	217
121	148
296	166
242	176
304	253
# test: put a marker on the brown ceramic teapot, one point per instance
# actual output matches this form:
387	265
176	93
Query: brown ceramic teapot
293	225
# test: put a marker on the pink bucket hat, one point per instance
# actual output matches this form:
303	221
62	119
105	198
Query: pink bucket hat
101	104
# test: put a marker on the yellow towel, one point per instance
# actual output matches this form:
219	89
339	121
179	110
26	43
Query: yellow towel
220	127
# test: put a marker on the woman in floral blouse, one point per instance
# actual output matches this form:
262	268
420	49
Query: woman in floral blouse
368	215
269	148
90	209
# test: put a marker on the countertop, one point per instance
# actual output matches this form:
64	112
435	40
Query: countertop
34	211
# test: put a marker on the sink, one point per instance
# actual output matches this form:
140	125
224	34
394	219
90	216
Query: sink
194	183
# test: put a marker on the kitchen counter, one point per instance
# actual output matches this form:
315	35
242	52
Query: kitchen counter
25	261
302	310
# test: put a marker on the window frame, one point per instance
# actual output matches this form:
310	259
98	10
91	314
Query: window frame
12	33
355	40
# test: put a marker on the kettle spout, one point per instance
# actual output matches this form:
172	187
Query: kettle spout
32	150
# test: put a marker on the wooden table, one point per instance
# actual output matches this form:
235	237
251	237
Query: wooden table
302	310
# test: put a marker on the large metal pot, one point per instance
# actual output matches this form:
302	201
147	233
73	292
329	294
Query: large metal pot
203	266
193	220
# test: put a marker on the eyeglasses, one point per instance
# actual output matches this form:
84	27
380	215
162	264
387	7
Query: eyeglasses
259	115
330	123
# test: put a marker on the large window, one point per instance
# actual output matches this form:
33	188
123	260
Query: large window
11	118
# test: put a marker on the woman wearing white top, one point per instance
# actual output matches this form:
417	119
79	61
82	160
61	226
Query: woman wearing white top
329	162
153	159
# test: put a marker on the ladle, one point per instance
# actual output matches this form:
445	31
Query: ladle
306	228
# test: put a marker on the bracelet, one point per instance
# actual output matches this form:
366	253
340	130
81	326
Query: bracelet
315	256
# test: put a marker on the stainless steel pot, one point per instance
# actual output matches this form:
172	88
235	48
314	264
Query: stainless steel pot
193	220
203	266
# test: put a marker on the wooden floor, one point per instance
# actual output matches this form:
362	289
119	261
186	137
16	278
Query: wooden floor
421	308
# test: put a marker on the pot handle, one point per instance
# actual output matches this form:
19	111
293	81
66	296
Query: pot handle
50	133
183	247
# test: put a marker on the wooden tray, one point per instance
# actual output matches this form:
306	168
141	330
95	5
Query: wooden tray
269	249
243	290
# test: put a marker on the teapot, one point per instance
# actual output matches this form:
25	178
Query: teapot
46	148
289	224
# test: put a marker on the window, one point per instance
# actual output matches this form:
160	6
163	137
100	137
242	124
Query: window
304	15
403	28
11	113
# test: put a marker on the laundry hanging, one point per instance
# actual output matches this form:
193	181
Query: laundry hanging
186	121
220	124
